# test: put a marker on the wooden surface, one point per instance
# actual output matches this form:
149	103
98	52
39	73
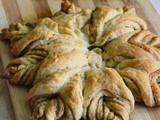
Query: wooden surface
13	11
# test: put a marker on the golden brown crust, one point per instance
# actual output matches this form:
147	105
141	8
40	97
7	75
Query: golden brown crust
64	86
15	31
104	90
40	62
108	24
136	62
69	7
64	58
46	48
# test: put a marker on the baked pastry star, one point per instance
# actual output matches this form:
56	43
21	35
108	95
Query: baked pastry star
85	64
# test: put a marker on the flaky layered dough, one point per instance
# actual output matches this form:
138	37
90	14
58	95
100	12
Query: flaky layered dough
100	94
47	46
85	64
106	96
138	63
108	23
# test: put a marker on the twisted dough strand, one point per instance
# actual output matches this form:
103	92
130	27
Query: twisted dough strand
104	91
63	87
56	46
108	24
136	68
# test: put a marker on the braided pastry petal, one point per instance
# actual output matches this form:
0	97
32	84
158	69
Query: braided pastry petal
58	97
62	52
109	23
46	48
106	96
138	64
